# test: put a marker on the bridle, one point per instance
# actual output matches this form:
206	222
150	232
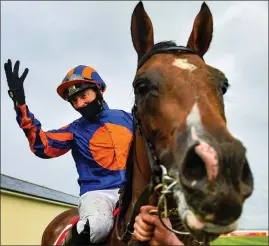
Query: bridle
159	178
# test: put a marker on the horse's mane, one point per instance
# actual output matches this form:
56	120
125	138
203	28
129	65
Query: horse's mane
126	191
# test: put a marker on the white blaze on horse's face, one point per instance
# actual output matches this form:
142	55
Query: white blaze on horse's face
184	64
194	120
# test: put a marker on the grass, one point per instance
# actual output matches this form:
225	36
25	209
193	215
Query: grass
249	240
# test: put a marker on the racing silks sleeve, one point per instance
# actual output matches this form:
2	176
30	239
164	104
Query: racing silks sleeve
43	144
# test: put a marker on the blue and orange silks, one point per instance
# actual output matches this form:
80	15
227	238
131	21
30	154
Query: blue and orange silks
100	150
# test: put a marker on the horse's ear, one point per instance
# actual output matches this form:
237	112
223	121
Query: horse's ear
202	31
141	31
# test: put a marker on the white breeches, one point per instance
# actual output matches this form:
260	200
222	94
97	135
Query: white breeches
97	207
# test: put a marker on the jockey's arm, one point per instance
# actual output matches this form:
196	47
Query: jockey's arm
148	228
43	144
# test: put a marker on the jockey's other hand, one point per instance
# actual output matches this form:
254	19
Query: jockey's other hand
144	225
148	228
15	83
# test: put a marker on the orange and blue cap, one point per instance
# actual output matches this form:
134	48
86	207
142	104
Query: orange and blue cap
80	75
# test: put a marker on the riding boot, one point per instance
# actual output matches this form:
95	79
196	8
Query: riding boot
84	236
73	238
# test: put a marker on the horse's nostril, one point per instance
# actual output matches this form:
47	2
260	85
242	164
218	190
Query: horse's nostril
194	167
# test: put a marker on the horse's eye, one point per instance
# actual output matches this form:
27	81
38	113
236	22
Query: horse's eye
141	88
225	85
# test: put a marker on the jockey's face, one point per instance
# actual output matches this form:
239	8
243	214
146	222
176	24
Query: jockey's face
82	98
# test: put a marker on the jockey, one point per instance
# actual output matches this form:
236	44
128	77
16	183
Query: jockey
99	140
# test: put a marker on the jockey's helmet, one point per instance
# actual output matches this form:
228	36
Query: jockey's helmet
78	79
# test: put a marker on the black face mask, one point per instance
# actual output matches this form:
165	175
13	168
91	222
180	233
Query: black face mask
92	110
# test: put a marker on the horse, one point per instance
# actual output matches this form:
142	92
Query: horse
183	158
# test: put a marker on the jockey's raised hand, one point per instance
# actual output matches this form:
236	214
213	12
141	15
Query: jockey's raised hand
15	83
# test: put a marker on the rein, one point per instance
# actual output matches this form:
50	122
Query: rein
159	178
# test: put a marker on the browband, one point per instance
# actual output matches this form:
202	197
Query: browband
166	50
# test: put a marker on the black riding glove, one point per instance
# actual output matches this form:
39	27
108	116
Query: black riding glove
15	83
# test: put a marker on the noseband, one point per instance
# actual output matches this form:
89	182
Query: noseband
159	178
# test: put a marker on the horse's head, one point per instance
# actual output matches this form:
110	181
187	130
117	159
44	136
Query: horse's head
180	105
